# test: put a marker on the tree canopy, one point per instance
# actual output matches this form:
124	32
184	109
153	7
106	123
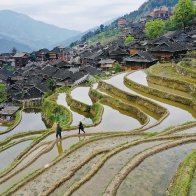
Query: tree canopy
155	28
3	93
117	67
129	39
184	11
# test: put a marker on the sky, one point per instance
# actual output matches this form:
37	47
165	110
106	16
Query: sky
72	14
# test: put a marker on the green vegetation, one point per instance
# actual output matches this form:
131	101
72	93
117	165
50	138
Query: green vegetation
188	65
182	181
117	67
184	12
51	84
155	28
97	111
3	93
169	71
105	37
129	39
54	113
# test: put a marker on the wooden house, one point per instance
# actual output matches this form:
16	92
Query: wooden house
8	113
118	53
140	60
135	47
162	12
165	49
21	59
106	64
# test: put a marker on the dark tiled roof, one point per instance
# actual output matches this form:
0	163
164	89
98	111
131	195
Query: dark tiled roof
49	70
91	70
76	76
43	86
167	45
118	51
62	74
141	57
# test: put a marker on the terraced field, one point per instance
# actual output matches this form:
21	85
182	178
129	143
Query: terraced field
140	140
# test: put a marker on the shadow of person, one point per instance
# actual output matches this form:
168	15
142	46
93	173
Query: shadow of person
59	147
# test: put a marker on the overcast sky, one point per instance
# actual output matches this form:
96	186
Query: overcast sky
73	14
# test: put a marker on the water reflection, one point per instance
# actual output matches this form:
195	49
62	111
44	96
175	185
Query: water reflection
77	116
81	137
81	94
31	120
59	147
10	154
178	113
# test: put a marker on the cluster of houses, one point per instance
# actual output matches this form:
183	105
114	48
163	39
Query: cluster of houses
27	76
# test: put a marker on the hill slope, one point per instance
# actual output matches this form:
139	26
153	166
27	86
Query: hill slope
143	10
27	31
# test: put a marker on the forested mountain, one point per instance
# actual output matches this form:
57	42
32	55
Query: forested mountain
25	31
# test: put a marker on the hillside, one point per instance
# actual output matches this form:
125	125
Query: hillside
6	45
143	10
148	7
34	34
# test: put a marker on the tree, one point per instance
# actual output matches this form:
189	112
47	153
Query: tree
101	27
3	93
117	67
129	39
51	84
155	28
184	11
170	24
14	51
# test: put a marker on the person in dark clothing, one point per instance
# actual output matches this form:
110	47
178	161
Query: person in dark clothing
58	131
81	127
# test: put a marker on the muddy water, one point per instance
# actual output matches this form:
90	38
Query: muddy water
41	162
3	128
76	116
178	113
155	173
31	121
10	154
81	94
112	120
188	131
61	168
141	78
81	172
110	169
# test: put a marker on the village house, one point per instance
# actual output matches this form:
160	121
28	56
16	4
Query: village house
118	53
41	55
136	47
167	50
8	113
106	64
21	59
52	55
139	60
162	12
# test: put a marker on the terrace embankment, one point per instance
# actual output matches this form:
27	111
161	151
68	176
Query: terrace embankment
137	100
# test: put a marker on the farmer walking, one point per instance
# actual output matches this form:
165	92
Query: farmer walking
58	131
81	127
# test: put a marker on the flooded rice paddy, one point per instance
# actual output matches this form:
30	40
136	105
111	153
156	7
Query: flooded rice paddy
151	177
